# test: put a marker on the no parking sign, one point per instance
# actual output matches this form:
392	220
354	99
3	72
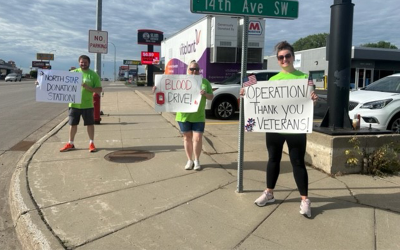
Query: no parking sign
98	41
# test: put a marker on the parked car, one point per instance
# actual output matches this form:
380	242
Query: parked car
378	104
13	77
226	94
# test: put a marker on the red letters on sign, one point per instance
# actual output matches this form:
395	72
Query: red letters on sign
178	84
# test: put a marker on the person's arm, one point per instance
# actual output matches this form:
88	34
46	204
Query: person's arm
208	96
97	90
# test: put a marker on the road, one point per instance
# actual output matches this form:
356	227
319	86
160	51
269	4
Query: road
23	121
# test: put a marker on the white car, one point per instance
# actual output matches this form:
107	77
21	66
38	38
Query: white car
226	93
378	104
13	77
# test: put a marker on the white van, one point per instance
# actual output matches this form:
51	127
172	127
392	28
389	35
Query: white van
226	93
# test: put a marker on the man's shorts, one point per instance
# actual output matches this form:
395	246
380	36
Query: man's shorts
192	126
75	116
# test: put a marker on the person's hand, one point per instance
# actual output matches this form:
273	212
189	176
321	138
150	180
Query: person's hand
36	82
242	92
314	97
203	92
154	89
84	85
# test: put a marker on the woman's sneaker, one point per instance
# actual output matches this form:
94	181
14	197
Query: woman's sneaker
197	165
264	199
305	208
189	165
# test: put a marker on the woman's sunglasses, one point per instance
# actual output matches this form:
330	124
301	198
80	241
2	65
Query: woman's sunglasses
287	56
193	69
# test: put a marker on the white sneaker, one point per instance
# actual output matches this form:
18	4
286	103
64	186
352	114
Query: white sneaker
305	207
264	198
197	165
189	165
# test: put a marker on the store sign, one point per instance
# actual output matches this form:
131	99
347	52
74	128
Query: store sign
38	64
150	57
255	28
132	62
45	56
150	37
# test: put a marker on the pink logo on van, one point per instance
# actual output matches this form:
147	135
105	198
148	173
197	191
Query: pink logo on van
197	36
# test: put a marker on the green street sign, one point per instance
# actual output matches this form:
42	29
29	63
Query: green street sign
132	62
284	9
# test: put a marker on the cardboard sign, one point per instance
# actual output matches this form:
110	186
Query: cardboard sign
177	93
283	106
59	86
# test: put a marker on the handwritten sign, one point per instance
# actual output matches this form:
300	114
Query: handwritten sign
177	93
59	86
283	106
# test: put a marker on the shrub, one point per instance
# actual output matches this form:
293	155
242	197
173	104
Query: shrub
382	161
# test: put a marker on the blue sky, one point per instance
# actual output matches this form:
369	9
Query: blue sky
61	27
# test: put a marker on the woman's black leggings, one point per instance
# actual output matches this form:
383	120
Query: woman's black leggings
297	150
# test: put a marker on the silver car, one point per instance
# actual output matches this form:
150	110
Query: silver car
13	77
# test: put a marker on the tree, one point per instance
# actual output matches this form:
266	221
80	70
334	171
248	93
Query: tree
380	44
33	73
311	42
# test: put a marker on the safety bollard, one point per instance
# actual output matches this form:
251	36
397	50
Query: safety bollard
96	104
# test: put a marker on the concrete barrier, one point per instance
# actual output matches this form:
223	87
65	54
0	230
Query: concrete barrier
327	152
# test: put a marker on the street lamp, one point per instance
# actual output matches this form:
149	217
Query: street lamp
115	58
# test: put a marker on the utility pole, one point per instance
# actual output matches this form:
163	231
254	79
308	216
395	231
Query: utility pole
339	53
115	59
98	27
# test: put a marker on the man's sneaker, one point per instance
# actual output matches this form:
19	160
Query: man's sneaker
197	165
92	148
264	199
67	147
305	207
189	165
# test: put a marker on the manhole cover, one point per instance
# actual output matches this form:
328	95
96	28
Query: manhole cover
129	156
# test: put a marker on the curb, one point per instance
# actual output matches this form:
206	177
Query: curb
30	234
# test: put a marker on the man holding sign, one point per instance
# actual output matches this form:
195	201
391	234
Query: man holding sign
284	129
191	123
90	84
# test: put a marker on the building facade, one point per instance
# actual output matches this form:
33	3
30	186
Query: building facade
367	64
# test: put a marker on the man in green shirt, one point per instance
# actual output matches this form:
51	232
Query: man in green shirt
90	84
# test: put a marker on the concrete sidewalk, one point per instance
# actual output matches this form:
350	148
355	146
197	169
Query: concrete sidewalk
80	200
